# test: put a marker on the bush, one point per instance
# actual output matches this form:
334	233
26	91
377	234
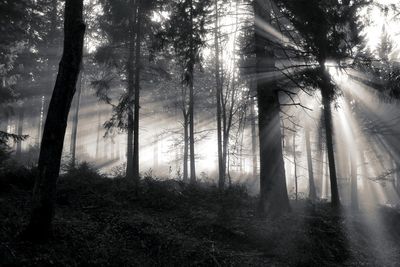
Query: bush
14	174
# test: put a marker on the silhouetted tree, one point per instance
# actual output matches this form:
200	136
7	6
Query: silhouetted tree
44	192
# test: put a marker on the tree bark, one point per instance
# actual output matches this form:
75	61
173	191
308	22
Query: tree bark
274	199
191	100
137	97
296	184
320	156
20	131
221	169
335	201
185	148
253	137
312	194
44	192
41	115
131	92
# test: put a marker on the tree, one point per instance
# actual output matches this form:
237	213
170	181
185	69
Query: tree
126	24
273	192
312	194
330	31
186	32
44	192
17	38
218	92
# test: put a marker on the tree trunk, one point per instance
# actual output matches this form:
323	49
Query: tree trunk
137	97
191	134
354	193
329	145
253	137
185	148
296	184
312	194
191	101
20	131
320	156
274	199
41	117
75	122
131	92
98	132
44	192
221	169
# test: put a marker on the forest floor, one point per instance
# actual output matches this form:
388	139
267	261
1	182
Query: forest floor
102	222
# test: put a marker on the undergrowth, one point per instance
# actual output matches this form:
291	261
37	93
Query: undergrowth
108	222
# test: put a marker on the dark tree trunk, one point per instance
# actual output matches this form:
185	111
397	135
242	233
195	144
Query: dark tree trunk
137	98
329	146
20	131
221	169
131	92
191	100
191	133
44	192
320	156
274	199
312	194
273	192
185	147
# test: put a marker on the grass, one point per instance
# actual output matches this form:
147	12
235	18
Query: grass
102	222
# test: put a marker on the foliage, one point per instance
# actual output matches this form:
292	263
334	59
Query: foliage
185	30
328	33
382	70
100	221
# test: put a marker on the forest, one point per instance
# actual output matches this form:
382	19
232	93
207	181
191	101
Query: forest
200	133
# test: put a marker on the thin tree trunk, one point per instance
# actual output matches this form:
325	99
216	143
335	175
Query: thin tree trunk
221	169
296	188
20	131
312	194
75	122
185	148
253	137
137	97
41	116
354	193
191	101
131	91
98	132
44	192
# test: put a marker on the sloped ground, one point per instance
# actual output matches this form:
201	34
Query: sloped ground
102	222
